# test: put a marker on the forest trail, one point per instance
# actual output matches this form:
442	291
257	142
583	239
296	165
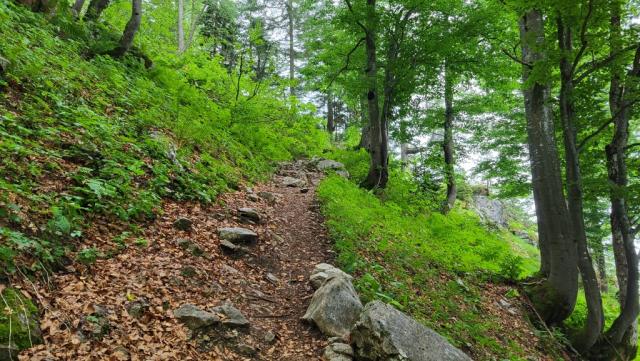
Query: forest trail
139	287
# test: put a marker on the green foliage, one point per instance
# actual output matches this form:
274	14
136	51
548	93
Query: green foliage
17	319
87	256
428	264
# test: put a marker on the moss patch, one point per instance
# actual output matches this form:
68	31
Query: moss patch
18	320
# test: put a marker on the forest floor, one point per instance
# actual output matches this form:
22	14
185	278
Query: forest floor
163	268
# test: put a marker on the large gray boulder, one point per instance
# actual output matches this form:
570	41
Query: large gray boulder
334	307
9	352
383	333
237	235
322	272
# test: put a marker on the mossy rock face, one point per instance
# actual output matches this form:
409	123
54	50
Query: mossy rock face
19	326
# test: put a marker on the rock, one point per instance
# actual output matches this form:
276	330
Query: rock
183	224
9	352
96	325
246	350
490	210
188	271
249	214
334	307
383	333
327	164
19	311
230	270
230	316
121	353
293	182
267	196
270	337
237	235
195	318
338	352
137	308
272	278
226	245
252	197
4	66
343	173
322	272
188	245
304	190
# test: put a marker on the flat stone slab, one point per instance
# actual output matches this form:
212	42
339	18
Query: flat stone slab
238	235
195	318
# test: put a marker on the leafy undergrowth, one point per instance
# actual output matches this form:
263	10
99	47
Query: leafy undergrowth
450	272
84	136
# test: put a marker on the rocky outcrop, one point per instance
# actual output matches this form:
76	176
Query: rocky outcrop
334	307
382	333
490	210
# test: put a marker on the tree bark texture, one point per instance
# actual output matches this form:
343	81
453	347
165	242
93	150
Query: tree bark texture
130	30
447	144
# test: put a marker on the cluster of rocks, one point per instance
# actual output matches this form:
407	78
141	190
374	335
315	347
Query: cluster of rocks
236	239
221	324
295	175
375	332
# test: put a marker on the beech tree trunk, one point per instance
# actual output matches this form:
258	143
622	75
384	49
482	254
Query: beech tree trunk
77	7
555	297
331	126
290	35
447	143
365	142
621	338
42	6
130	30
378	168
595	315
181	44
95	9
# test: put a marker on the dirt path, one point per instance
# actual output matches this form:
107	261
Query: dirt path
269	284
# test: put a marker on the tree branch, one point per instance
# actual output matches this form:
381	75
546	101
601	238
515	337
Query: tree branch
632	145
595	65
583	38
346	64
604	126
360	24
514	58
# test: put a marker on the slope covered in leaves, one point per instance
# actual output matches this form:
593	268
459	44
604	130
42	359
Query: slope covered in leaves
85	136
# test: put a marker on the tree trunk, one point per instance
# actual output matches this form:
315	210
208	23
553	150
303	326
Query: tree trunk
595	316
126	41
378	170
95	9
555	297
447	143
622	333
598	252
365	142
181	45
77	7
331	126
42	6
195	19
290	35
